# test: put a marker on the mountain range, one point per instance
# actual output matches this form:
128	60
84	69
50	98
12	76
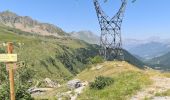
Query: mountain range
50	52
161	62
27	24
145	49
150	50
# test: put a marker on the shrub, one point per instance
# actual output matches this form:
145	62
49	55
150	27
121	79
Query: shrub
3	73
4	92
21	83
96	59
101	82
20	92
25	74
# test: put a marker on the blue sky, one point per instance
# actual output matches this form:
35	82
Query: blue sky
143	19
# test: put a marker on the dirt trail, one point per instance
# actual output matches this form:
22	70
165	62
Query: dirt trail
160	84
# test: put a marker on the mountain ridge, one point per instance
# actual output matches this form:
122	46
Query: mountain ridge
86	36
51	54
150	50
161	62
27	24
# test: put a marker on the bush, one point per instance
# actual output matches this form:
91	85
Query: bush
96	59
4	92
101	82
25	74
20	92
3	73
21	83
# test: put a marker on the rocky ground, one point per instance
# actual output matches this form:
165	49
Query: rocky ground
160	84
74	93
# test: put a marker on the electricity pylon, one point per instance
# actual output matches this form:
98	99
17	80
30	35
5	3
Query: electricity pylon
110	39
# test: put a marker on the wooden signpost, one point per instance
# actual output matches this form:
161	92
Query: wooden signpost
10	59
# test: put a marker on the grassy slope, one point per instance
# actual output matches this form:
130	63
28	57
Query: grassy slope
133	60
166	93
50	56
162	62
127	80
41	53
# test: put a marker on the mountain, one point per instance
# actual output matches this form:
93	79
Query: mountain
27	24
142	49
150	50
50	56
161	62
86	36
129	43
59	58
91	38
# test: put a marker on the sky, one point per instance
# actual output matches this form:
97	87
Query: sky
143	19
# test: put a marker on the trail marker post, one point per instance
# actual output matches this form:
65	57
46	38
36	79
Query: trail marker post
10	59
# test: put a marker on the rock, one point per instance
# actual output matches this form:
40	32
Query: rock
50	83
77	87
99	67
34	90
30	90
120	65
4	44
73	84
30	81
161	98
160	85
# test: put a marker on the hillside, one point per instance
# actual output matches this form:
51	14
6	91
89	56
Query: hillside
142	49
56	57
129	83
53	57
40	57
86	36
150	50
53	53
161	62
27	24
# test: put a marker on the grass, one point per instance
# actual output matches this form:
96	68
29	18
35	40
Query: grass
40	53
125	84
108	69
51	95
166	74
127	81
166	93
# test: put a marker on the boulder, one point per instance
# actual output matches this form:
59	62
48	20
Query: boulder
73	84
50	83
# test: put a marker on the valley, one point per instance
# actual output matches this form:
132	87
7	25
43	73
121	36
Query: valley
57	65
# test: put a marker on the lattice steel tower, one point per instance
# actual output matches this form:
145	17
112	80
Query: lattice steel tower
110	40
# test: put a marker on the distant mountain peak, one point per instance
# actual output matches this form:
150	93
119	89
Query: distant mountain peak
86	36
8	13
26	23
